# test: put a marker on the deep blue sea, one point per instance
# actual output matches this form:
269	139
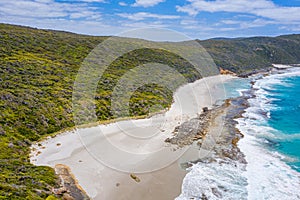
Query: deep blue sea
277	101
271	126
284	117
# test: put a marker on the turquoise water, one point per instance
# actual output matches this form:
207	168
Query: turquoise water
284	117
271	144
233	88
276	106
275	111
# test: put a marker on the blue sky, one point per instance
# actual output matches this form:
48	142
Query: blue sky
200	19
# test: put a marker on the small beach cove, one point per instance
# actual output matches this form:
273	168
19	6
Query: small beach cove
149	168
213	154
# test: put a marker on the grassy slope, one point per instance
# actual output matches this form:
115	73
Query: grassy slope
37	71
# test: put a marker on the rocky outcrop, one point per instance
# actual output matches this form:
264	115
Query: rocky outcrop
192	130
226	72
70	189
196	130
254	72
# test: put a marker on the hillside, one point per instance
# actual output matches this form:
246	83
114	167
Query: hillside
37	73
245	54
38	69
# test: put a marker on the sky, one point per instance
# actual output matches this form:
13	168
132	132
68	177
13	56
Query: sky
197	19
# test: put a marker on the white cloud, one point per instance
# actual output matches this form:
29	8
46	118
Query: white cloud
156	24
92	1
122	3
41	9
261	8
144	15
291	28
85	14
146	3
231	22
90	27
248	24
189	22
84	17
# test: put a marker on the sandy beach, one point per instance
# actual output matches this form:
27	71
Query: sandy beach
104	157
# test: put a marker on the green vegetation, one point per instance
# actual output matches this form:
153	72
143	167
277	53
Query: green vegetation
37	73
246	54
38	69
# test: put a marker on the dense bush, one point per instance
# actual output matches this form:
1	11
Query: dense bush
38	69
246	54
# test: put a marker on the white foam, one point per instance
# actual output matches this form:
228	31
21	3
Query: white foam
269	177
267	83
241	91
266	175
217	180
280	66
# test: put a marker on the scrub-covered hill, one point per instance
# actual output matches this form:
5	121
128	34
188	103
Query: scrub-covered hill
243	55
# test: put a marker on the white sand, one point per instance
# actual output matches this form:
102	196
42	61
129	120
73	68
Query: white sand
103	157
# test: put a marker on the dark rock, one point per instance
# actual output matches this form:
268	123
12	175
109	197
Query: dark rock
134	177
168	140
247	74
204	197
216	192
193	130
205	109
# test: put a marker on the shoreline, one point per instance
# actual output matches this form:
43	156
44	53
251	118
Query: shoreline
266	168
223	159
267	171
227	160
99	180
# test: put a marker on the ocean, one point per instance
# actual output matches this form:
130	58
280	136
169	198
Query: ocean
283	112
271	144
